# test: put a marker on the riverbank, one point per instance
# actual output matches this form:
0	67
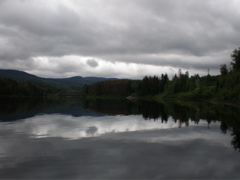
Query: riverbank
183	97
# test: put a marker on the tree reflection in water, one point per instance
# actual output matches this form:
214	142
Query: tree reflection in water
12	109
181	112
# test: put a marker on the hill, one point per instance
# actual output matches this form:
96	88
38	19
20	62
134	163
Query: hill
72	81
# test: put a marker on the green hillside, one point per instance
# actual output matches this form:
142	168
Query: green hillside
72	81
19	83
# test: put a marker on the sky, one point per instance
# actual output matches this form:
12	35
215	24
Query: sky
117	38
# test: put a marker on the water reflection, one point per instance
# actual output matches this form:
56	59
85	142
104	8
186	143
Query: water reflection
119	158
67	117
103	139
12	109
179	112
56	125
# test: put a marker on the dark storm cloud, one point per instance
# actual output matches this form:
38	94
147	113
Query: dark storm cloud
124	31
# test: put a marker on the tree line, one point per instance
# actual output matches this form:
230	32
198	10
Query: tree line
225	86
10	87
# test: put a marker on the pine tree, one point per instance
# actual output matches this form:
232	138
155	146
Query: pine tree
236	60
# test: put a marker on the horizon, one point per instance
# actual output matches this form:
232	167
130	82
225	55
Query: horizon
170	77
117	39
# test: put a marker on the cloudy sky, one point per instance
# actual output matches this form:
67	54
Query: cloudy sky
117	38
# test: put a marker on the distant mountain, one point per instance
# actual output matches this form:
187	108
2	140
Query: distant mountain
18	75
72	81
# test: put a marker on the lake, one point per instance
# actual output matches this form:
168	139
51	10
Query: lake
118	139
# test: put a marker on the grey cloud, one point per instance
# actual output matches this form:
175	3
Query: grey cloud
92	63
92	130
127	31
180	61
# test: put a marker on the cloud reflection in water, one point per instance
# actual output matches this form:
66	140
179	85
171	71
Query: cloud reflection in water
69	127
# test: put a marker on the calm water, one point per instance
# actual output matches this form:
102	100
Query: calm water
72	139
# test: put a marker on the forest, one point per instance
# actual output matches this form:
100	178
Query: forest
10	87
223	87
